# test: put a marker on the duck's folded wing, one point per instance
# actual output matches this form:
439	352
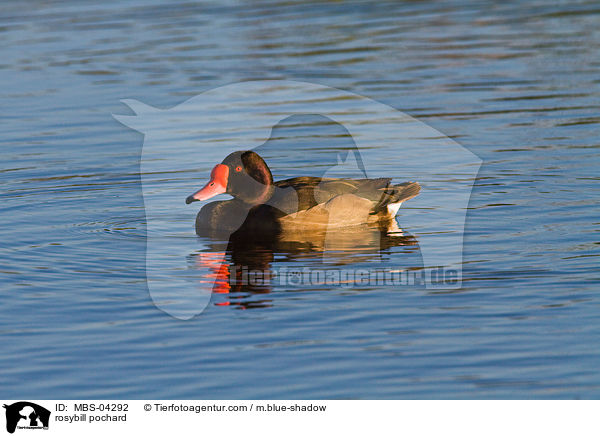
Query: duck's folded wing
312	191
384	196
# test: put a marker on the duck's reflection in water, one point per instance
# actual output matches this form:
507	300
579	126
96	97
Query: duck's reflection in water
243	268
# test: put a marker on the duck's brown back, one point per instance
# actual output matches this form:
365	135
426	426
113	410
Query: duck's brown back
302	193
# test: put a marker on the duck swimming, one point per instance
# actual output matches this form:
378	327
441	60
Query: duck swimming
262	208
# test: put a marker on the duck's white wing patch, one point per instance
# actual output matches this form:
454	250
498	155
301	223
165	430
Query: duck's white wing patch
393	208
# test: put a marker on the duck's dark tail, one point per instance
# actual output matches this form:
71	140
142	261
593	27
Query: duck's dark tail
394	195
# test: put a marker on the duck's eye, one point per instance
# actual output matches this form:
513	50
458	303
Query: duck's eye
238	168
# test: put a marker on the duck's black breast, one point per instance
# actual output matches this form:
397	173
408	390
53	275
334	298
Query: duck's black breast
221	216
262	224
233	217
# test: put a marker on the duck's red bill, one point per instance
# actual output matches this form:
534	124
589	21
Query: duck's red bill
217	185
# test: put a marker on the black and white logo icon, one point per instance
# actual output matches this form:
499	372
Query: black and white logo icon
26	415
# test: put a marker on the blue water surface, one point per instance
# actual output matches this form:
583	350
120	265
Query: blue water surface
516	84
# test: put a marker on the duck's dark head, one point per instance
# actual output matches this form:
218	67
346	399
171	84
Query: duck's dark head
242	174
